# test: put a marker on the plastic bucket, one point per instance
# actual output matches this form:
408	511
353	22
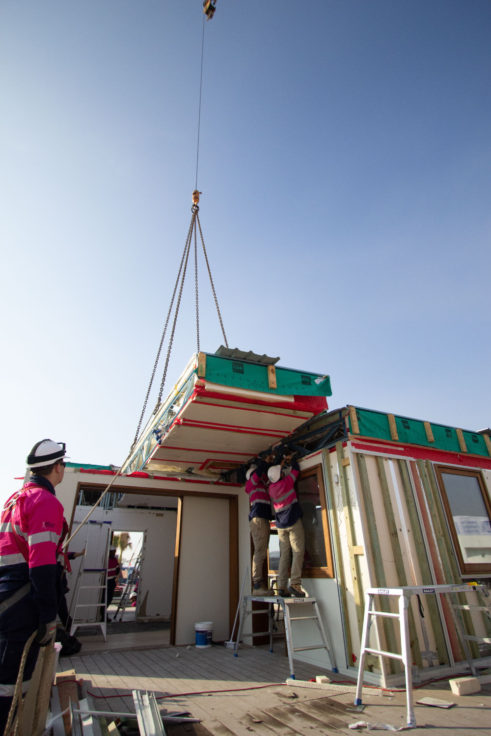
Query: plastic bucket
204	632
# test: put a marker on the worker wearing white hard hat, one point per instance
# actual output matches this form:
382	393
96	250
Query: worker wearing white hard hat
260	515
288	520
31	529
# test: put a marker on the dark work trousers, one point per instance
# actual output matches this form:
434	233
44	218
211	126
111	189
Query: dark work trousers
111	587
16	625
62	590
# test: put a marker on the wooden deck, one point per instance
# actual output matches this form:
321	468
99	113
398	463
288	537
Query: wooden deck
248	694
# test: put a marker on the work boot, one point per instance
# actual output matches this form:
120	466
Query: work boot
259	588
282	593
70	647
296	591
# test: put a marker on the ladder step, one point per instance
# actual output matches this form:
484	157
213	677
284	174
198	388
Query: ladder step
382	653
313	646
482	639
387	614
254	633
303	618
79	624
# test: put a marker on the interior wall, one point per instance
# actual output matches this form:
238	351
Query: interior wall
155	588
204	568
157	569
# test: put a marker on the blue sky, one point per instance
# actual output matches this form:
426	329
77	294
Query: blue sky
345	165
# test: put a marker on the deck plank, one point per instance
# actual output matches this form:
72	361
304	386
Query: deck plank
248	695
302	721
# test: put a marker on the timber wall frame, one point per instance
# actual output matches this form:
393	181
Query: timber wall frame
406	541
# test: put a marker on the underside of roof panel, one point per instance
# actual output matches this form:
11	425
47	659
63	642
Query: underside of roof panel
213	422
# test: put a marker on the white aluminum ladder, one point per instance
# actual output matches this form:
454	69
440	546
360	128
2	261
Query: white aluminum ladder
403	595
99	583
129	587
92	584
486	608
299	608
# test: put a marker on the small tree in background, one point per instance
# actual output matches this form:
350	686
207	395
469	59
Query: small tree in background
122	541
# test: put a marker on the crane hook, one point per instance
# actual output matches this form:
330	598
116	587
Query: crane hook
209	7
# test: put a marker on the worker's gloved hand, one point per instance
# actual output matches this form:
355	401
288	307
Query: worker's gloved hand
46	633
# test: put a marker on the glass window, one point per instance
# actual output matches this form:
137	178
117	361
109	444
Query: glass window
469	516
318	557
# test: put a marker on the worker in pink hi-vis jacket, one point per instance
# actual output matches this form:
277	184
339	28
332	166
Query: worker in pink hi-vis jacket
288	518
260	516
30	533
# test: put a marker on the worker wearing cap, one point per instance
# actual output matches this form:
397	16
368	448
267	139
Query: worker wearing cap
259	521
288	519
30	532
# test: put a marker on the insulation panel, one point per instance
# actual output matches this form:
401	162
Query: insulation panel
212	422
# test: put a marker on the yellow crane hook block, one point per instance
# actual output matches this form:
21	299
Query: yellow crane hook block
209	7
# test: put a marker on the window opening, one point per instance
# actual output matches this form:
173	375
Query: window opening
468	511
318	556
90	496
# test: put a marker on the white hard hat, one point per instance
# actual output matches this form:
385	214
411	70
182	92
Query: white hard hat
274	473
250	471
46	452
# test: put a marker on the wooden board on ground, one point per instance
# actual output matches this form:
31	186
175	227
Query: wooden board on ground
68	692
36	702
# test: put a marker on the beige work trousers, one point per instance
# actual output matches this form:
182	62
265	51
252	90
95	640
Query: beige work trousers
259	529
292	547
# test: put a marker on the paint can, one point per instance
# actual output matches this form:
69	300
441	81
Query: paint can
204	633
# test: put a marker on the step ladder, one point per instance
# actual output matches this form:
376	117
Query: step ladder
294	610
131	581
486	608
88	607
403	595
97	585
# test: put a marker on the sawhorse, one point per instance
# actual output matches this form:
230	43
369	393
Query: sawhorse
404	594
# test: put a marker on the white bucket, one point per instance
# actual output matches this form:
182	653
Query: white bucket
204	632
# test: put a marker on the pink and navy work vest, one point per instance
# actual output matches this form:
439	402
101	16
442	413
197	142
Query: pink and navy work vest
284	497
258	497
112	568
30	531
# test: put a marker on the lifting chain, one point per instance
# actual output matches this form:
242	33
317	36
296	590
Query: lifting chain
178	289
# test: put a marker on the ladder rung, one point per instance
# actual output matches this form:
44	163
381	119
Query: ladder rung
384	654
88	605
468	607
482	639
256	633
88	623
313	646
383	613
302	618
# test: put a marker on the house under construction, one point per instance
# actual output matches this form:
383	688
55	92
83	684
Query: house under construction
387	501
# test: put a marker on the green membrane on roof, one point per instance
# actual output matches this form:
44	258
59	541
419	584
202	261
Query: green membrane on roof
254	377
412	432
